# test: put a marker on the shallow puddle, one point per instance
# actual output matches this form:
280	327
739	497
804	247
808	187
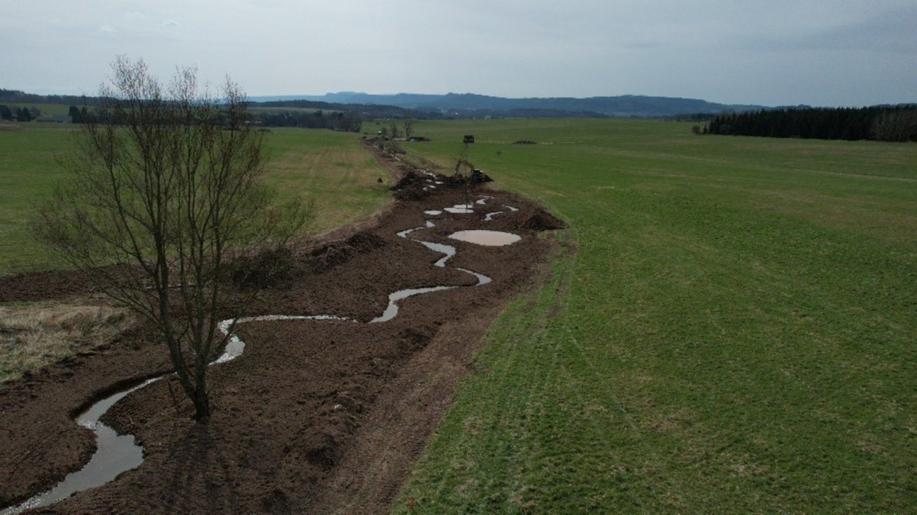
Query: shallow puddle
460	209
486	238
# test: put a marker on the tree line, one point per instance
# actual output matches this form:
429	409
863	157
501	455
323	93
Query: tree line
13	95
22	114
338	121
881	123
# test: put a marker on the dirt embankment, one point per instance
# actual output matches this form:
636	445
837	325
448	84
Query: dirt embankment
315	416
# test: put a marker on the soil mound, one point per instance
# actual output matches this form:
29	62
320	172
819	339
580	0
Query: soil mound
479	177
410	187
543	221
476	177
365	242
329	256
271	268
407	180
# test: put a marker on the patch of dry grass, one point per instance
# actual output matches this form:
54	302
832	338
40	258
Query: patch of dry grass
34	335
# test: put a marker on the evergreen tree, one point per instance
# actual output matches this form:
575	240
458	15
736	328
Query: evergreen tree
883	123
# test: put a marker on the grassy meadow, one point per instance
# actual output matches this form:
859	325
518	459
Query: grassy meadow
736	332
329	168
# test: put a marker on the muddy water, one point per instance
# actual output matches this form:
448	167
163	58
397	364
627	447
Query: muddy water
116	453
486	238
392	310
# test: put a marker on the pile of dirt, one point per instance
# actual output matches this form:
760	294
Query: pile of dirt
541	220
329	256
270	268
479	177
474	178
409	179
410	186
365	242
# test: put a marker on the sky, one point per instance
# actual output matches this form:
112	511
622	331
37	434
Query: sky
775	52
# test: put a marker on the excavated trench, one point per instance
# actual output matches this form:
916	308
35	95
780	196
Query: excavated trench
117	453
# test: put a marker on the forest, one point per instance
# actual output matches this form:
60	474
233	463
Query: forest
881	123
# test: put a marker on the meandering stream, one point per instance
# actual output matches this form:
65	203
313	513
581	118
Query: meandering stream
116	453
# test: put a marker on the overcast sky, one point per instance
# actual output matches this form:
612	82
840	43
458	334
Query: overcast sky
820	52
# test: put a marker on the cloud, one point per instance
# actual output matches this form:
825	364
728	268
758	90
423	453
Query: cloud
890	30
777	52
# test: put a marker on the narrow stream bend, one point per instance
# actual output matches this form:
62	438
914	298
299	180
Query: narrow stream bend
116	453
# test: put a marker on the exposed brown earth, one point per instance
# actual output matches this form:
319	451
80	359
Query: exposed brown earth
316	416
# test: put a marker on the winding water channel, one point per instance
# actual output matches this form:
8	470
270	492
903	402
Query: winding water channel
116	453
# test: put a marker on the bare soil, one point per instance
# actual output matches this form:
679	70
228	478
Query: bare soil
315	416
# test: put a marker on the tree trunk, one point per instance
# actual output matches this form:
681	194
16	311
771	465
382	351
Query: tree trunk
201	405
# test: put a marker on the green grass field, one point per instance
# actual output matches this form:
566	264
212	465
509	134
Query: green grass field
329	168
737	332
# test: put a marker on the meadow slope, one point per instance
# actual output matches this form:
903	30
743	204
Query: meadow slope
735	333
328	168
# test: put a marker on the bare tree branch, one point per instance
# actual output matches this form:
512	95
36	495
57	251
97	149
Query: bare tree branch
164	191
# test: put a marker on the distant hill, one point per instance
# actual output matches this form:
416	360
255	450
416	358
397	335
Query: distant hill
469	104
412	105
363	110
374	110
16	96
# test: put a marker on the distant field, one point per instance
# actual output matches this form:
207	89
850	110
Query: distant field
328	167
48	112
738	331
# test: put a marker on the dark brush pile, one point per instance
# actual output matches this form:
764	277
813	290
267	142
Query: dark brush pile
410	186
329	256
271	268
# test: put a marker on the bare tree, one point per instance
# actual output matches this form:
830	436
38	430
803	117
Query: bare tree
164	192
408	128
463	171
